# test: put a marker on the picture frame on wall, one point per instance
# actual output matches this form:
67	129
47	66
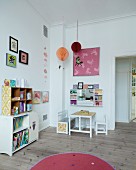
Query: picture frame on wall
10	60
45	96
13	44
80	85
23	57
86	62
36	97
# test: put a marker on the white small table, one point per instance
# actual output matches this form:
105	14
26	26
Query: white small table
79	116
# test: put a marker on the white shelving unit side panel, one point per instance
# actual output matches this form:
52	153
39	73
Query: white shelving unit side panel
6	134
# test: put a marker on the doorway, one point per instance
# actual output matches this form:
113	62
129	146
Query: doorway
125	85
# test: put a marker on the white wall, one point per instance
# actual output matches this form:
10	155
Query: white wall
115	38
56	75
19	20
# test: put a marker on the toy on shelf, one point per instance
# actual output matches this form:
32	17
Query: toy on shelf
29	107
15	110
6	82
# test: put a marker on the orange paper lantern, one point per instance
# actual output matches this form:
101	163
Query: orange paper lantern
62	53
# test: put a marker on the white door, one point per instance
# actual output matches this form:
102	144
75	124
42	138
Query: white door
123	84
122	97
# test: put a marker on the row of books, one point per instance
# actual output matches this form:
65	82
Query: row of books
20	139
25	107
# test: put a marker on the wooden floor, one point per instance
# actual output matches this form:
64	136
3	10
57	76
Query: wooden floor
117	148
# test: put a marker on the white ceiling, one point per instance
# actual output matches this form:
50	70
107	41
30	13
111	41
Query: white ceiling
68	11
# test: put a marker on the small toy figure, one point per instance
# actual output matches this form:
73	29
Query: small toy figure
6	82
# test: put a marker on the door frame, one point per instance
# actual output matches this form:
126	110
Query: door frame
113	70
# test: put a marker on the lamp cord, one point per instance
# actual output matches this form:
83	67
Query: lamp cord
63	32
77	30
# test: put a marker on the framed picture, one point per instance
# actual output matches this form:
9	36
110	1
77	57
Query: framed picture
45	96
23	57
36	97
13	44
86	62
80	85
10	60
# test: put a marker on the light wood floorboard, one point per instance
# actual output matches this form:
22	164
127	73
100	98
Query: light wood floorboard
117	148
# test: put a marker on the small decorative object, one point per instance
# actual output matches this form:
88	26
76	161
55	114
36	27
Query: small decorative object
62	53
45	96
96	86
80	85
90	86
86	62
6	82
21	95
34	125
76	46
73	96
73	91
75	86
36	97
29	107
23	57
13	44
17	83
12	83
15	110
29	96
45	63
85	86
23	83
10	60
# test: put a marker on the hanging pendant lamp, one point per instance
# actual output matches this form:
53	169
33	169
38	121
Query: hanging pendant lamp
62	53
76	46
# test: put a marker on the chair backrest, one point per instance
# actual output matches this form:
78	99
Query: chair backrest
105	118
63	114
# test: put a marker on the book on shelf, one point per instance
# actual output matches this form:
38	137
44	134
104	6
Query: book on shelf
21	106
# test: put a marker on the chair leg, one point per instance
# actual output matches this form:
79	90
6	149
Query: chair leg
96	129
106	130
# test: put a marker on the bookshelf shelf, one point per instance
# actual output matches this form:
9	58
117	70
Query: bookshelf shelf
15	136
17	99
19	127
20	148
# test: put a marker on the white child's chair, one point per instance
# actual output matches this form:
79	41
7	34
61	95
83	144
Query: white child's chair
101	126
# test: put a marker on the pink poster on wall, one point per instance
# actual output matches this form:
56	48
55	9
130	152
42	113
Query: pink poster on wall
86	62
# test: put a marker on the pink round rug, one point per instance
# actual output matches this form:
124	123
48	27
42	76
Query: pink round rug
72	161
